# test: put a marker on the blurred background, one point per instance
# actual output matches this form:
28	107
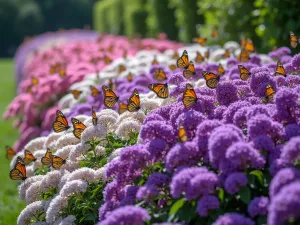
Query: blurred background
266	22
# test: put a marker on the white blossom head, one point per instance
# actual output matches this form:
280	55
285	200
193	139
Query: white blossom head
27	183
78	151
36	144
51	140
100	150
67	139
93	132
33	192
30	210
65	151
56	205
127	127
73	187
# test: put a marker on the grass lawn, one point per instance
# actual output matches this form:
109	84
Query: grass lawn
10	205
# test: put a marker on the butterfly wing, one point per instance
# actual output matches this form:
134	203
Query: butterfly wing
249	46
172	67
57	162
226	54
221	70
159	75
154	62
293	40
76	93
189	96
175	55
79	127
121	68
129	77
270	93
244	73
190	71
60	123
34	81
212	79
94	117
201	41
47	158
207	53
161	90
280	71
182	134
29	157
107	60
134	102
110	98
18	172
122	108
94	91
199	58
244	56
183	61
10	152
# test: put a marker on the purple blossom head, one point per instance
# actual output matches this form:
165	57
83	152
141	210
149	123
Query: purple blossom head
167	224
232	108
263	143
181	180
284	207
205	104
129	195
285	59
233	219
291	151
255	59
234	182
158	148
147	192
152	117
239	118
226	93
296	62
280	81
127	215
232	62
207	203
260	78
241	154
258	206
282	178
292	130
219	111
176	78
293	81
205	91
256	110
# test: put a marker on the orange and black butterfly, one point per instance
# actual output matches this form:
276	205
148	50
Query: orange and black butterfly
182	134
226	54
34	81
183	61
10	153
62	73
172	67
200	40
110	48
293	40
215	34
155	62
248	46
107	60
29	157
212	79
121	68
175	55
125	54
206	54
134	102
112	85
60	123
199	58
76	93
221	70
269	93
161	90
189	96
122	107
129	77
54	68
19	170
57	162
47	158
280	71
110	98
159	75
94	117
244	73
190	71
79	127
94	91
244	56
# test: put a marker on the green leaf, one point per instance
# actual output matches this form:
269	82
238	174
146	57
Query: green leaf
259	175
176	206
221	194
245	195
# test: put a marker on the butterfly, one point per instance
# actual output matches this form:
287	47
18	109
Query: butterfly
125	54
122	108
206	54
189	96
10	152
62	73
183	61
172	67
248	46
182	134
29	157
79	127
129	77
280	71
57	162
161	90
200	40
95	92
293	40
226	54
154	62
94	117
175	55
121	68
134	102
244	56
47	158
190	71
54	68
221	70
110	98
34	81
159	75
76	93
244	73
215	34
199	58
19	170
60	123
110	48
107	60
269	93
211	79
